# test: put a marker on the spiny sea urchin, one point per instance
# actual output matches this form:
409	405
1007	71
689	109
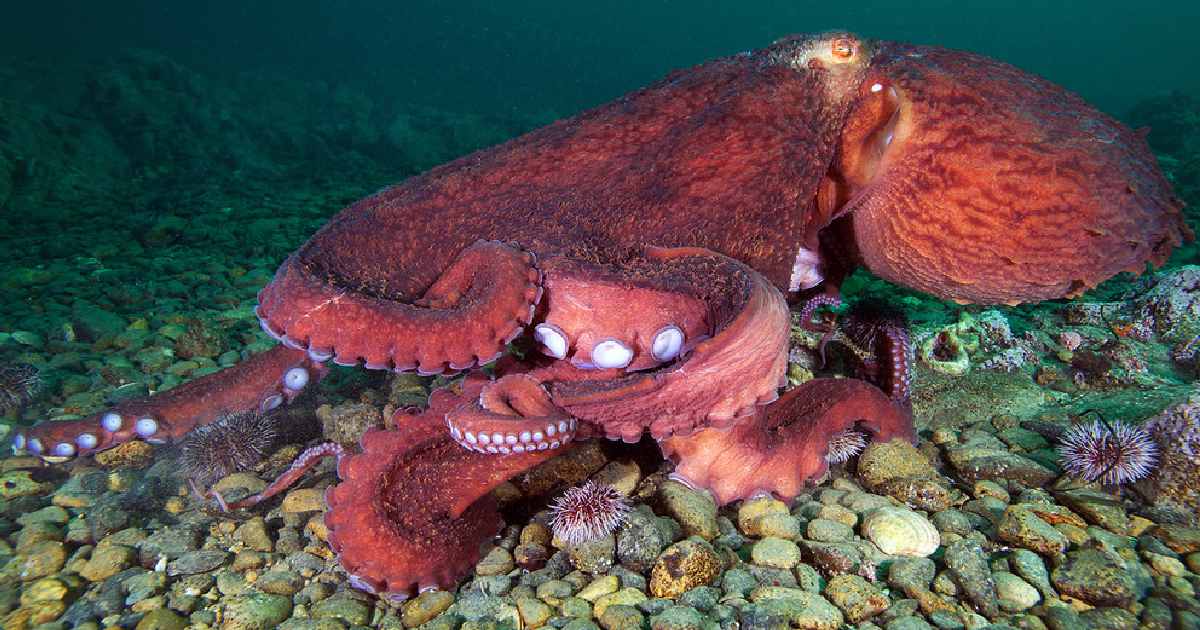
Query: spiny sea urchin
231	443
845	445
1112	454
19	384
587	513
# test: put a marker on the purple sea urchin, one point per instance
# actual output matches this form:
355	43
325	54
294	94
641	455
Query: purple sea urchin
19	384
845	445
587	513
1113	455
234	442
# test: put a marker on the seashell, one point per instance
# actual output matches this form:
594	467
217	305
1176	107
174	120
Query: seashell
901	532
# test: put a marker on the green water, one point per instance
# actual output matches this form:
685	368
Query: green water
564	56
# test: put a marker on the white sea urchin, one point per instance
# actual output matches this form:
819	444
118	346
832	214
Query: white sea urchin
587	513
1113	455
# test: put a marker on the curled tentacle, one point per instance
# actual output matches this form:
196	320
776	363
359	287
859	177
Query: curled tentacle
414	506
739	364
511	415
478	304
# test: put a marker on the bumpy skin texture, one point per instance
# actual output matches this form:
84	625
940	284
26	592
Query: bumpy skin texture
997	186
649	247
414	507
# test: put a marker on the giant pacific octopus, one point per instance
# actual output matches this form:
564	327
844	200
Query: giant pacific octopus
650	248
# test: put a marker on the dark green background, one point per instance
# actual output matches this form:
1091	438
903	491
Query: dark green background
535	56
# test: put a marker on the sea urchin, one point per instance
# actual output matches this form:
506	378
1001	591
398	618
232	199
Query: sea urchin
231	443
1113	455
845	445
587	513
19	384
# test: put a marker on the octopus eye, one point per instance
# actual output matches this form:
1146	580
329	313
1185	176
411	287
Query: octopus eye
842	49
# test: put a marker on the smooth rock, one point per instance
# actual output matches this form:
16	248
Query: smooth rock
695	510
256	611
775	552
1015	594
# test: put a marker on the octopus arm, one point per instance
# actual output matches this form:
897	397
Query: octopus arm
414	507
259	383
783	445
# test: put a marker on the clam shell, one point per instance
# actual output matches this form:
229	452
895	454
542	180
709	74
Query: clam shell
901	532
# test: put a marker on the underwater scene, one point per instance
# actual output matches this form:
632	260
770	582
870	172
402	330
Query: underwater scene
629	315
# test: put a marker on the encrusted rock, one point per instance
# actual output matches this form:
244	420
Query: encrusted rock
1096	577
1021	527
858	599
683	566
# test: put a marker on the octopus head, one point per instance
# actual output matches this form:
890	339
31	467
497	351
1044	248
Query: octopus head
967	178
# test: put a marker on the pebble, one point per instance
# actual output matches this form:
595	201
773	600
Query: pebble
800	609
197	562
973	463
1014	594
901	532
695	510
602	585
1030	566
677	618
425	607
1023	528
279	582
683	566
594	556
498	561
40	559
345	607
1097	508
621	617
162	619
625	596
256	611
968	564
775	552
107	561
1179	538
824	530
301	500
239	484
253	533
753	511
857	598
898	459
1094	576
534	614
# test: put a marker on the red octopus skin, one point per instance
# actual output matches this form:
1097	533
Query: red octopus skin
704	203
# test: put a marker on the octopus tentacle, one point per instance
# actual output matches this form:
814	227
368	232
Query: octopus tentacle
414	506
512	415
739	364
783	445
464	319
262	382
303	463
